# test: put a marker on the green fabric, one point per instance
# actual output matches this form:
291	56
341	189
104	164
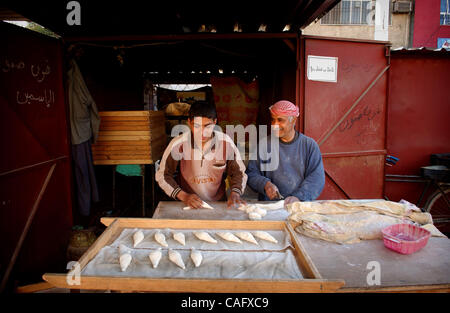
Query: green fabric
129	169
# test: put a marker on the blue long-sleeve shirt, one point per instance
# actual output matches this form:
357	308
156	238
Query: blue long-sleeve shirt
299	173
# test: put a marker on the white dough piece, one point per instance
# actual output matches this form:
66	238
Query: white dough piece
247	236
161	239
229	237
124	261
175	257
260	211
202	235
180	238
254	216
155	257
204	206
243	207
265	236
196	257
272	205
137	238
249	208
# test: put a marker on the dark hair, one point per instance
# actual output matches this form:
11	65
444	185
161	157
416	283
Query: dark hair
202	108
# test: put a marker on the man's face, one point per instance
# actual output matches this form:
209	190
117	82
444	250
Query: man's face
202	128
283	123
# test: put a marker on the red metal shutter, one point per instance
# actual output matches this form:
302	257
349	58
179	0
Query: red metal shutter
347	118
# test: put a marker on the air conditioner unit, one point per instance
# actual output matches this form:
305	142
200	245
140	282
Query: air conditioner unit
402	7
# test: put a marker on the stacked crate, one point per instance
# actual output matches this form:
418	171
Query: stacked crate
130	137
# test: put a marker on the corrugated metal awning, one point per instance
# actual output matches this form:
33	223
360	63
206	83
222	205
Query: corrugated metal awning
421	51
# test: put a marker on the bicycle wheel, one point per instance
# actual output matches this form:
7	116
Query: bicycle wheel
439	209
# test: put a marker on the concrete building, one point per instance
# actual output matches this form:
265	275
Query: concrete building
390	20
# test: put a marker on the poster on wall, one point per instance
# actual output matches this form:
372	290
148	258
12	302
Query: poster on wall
322	68
443	43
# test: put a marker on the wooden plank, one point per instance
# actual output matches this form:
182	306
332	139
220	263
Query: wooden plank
442	288
195	224
107	127
124	133
121	156
122	143
117	162
125	113
196	285
115	138
112	123
104	239
303	257
98	149
123	118
34	287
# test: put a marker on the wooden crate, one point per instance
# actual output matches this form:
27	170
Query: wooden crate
130	137
313	282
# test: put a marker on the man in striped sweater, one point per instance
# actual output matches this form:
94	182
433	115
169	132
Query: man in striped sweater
203	158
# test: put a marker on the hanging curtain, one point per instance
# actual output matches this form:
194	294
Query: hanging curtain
236	102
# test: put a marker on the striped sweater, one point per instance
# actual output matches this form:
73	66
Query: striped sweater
202	173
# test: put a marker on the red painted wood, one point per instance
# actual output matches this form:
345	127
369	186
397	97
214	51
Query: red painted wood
357	174
33	130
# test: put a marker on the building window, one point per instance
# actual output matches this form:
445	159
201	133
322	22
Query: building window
353	12
445	12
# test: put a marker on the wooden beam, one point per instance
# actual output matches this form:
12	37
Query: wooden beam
199	36
290	45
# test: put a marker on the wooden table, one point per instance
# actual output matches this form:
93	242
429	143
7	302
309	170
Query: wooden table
427	270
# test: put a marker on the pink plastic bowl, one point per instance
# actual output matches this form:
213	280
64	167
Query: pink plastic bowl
405	238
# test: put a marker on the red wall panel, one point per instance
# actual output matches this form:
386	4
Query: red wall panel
418	117
354	152
427	28
33	139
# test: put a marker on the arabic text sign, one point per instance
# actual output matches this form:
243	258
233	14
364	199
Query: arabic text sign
322	69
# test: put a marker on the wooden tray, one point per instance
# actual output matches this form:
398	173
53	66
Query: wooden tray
312	282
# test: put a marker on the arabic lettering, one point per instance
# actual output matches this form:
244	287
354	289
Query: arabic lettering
40	74
38	71
8	66
348	124
48	98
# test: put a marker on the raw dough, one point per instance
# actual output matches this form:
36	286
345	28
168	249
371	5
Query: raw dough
204	206
137	238
155	256
254	216
202	235
345	221
247	236
180	238
229	237
265	236
175	257
196	257
161	239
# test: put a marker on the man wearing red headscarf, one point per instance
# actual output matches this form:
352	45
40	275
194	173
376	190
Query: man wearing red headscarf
299	175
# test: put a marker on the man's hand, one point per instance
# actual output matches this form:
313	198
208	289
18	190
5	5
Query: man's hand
190	199
234	201
271	190
290	199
